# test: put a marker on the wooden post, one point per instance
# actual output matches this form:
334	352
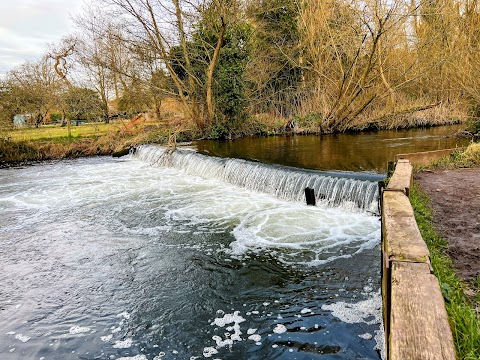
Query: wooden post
310	196
416	322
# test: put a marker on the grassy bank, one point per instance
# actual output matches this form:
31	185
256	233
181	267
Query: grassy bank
34	145
52	132
470	157
464	320
51	141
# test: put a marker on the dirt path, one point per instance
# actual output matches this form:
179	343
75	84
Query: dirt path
455	199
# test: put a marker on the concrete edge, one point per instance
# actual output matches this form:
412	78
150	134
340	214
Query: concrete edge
425	158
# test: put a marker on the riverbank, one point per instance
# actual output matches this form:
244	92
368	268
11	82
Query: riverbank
50	142
81	145
446	203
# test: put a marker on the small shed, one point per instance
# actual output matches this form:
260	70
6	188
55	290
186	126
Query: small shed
19	120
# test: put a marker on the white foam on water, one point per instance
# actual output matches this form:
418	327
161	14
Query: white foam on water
380	341
280	329
22	338
124	314
234	318
255	337
317	235
222	343
107	338
125	344
209	351
10	333
284	183
361	312
251	331
78	330
306	311
358	312
259	221
136	357
115	330
291	232
159	356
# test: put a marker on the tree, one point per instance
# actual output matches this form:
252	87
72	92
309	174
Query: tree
163	30
82	103
275	68
62	64
31	88
220	84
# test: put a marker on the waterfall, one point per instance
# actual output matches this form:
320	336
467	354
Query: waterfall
331	189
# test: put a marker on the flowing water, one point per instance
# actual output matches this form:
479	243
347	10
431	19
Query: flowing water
367	151
186	257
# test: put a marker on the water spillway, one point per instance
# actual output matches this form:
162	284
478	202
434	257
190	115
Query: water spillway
108	258
352	191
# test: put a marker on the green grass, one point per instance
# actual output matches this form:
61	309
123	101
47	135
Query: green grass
52	142
470	157
53	132
464	320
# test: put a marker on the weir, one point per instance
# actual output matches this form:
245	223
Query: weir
354	191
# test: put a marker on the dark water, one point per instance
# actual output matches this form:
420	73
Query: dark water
347	152
105	259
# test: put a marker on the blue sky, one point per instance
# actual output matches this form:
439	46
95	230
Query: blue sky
28	26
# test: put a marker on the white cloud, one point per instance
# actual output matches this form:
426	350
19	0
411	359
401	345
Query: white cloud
28	26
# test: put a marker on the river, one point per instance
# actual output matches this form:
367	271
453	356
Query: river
365	152
153	257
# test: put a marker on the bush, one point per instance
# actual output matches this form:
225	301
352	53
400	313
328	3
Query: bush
55	117
308	121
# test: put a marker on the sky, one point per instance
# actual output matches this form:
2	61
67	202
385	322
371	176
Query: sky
28	26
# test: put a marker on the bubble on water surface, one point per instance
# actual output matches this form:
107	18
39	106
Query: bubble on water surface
209	351
106	338
78	330
124	314
367	311
125	344
255	337
22	338
280	329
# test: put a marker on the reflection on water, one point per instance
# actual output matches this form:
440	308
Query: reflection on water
105	259
368	151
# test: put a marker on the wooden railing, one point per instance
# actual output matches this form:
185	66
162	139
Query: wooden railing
416	322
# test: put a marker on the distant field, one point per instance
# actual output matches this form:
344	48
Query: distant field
52	132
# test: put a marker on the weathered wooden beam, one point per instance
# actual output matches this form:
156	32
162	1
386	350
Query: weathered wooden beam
401	237
419	328
415	318
402	178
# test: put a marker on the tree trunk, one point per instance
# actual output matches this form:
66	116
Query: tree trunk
211	68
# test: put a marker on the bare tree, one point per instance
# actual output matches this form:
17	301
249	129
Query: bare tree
62	56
